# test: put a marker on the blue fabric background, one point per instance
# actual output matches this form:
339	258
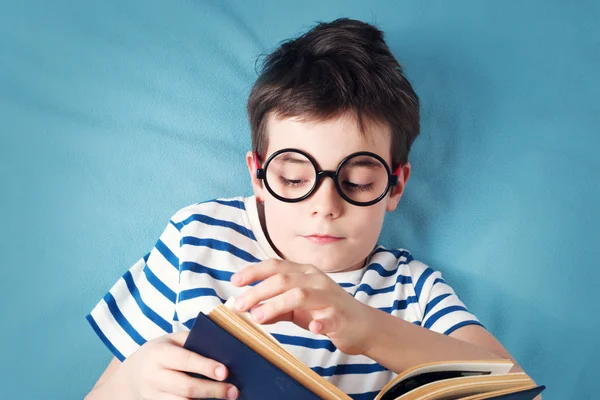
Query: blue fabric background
116	114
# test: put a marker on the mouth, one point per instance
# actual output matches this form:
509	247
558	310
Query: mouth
323	239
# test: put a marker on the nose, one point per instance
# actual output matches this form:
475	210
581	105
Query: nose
325	200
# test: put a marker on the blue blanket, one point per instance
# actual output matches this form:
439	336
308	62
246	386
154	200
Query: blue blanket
116	114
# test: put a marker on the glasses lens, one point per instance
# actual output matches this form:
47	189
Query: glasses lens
291	175
363	178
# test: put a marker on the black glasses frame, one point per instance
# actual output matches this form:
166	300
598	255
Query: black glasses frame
320	174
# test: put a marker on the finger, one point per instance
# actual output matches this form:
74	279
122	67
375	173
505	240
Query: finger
263	270
269	288
180	359
289	316
299	317
325	321
293	299
254	272
180	384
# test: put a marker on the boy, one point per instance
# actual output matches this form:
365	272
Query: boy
332	120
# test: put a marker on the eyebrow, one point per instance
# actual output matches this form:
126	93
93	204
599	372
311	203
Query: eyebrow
365	163
293	160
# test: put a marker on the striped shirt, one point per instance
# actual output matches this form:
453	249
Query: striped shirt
189	271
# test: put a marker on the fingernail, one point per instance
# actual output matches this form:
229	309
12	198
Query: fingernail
318	326
220	372
232	393
257	314
236	279
239	304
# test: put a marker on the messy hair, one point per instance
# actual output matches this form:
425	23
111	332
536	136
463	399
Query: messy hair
334	68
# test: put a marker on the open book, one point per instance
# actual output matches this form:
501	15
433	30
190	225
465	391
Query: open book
262	369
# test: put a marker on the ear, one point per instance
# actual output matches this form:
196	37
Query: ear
257	185
398	190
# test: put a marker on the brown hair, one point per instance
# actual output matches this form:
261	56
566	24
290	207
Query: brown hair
336	67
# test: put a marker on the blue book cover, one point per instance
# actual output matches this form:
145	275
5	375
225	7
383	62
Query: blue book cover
254	376
528	394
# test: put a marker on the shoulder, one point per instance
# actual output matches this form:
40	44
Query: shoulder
207	211
399	258
223	220
403	262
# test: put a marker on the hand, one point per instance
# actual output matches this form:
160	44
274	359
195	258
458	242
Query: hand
157	371
306	296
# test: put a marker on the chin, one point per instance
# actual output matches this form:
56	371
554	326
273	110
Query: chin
327	259
327	264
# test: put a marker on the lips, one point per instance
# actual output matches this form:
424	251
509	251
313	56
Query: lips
323	239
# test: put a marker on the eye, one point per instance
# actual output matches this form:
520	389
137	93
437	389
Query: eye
291	182
353	187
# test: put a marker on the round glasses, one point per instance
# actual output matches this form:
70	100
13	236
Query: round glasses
362	178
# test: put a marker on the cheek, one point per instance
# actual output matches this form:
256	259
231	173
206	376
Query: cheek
279	217
368	222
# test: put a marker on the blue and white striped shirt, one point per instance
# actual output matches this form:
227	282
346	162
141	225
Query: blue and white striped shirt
189	271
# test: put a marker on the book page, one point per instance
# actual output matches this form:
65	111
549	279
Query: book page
248	318
496	393
257	339
468	386
494	367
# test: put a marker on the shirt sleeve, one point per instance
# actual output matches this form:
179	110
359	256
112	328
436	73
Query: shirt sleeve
140	306
442	310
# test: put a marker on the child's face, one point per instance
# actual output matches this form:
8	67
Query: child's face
354	229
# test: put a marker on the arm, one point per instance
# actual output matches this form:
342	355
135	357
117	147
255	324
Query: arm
391	336
108	372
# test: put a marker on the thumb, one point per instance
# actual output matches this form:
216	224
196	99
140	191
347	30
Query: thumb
321	326
178	338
